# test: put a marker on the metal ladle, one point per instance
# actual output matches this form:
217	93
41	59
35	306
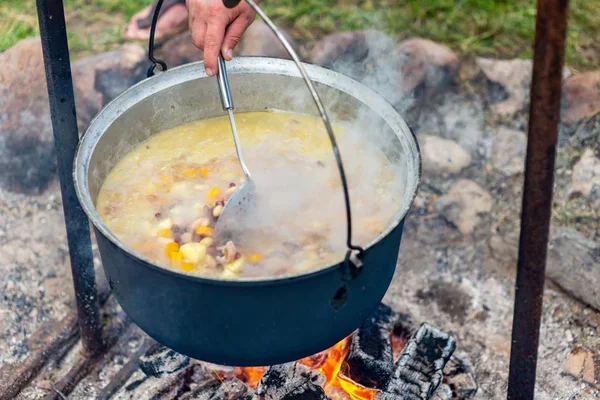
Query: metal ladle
242	201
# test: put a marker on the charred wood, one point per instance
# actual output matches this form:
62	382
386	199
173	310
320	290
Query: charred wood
371	358
168	386
221	389
419	370
280	381
162	360
309	391
458	375
443	392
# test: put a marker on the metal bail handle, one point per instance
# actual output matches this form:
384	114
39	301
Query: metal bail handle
153	60
354	252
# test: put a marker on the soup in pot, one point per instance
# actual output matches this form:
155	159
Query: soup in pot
163	198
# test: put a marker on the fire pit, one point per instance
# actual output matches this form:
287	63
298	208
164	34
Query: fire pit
387	358
545	101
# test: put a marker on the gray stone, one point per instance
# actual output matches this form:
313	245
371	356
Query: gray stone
178	51
581	96
350	48
586	175
442	155
26	141
574	264
100	78
515	78
464	205
456	118
26	137
427	63
259	40
508	151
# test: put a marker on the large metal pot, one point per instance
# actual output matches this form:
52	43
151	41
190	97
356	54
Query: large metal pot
247	322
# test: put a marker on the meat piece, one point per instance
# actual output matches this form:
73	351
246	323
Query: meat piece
229	251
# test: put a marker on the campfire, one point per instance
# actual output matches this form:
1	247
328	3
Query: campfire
384	359
329	363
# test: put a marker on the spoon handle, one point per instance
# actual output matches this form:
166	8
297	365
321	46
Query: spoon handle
227	103
223	83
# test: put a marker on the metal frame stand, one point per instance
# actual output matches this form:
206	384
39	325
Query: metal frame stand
544	117
537	192
55	47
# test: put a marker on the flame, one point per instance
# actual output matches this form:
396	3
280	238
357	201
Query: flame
329	363
251	376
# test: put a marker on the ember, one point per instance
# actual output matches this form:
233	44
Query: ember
331	365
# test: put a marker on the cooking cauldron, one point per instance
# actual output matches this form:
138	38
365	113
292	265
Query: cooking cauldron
248	322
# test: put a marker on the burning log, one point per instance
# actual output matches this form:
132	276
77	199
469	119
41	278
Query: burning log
291	381
371	358
419	370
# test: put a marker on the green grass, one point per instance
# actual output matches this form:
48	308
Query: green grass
499	28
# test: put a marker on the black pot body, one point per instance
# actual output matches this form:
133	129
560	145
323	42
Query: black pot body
250	323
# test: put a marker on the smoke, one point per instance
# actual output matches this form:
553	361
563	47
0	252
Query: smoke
369	57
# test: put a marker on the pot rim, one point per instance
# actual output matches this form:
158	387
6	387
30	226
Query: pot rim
239	65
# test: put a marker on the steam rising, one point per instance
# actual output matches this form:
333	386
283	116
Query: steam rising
300	200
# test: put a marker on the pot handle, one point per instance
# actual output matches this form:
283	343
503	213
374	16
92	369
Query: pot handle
352	259
155	61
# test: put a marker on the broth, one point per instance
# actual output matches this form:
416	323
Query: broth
162	199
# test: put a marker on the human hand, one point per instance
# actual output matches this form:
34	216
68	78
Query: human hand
216	28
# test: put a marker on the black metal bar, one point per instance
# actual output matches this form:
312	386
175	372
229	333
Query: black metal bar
544	117
64	122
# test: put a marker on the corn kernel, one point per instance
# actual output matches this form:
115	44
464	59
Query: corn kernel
204	230
187	267
190	173
165	233
254	258
213	193
171	248
165	179
204	172
176	259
